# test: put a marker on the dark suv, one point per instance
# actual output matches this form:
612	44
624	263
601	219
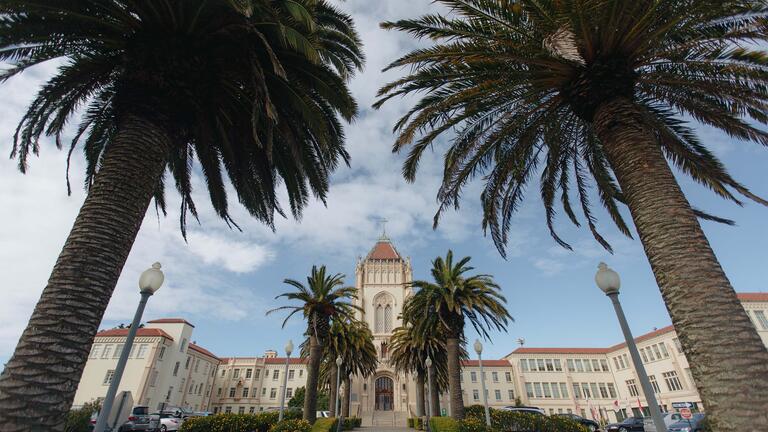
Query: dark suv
589	424
630	424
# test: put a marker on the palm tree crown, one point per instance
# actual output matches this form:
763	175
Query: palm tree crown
520	81
322	298
455	297
251	87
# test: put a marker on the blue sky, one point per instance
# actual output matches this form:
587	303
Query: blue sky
224	281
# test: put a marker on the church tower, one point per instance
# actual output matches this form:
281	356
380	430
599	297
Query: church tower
383	280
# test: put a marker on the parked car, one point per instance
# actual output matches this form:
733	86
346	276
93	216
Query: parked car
167	421
139	420
696	424
668	418
525	409
590	424
629	424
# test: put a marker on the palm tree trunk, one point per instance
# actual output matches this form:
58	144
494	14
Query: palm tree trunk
711	323
347	397
434	394
332	377
39	381
313	369
454	378
419	394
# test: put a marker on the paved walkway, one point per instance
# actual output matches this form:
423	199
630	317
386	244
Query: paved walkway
382	429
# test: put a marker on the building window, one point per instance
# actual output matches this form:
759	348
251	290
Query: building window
673	383
571	367
616	362
576	391
301	372
475	395
118	351
593	387
555	391
248	373
263	391
197	365
564	390
142	351
595	365
524	365
95	349
232	392
218	393
579	366
654	384
540	364
379	318
272	393
587	365
497	393
228	409
168	395
537	390
678	347
529	390
473	376
191	387
558	365
604	365
760	315
511	394
291	373
388	318
642	354
585	390
153	378
495	376
626	360
550	365
223	372
289	393
108	377
161	354
107	351
251	410
257	373
547	390
241	410
176	369
183	345
508	376
275	374
245	392
236	373
181	387
632	388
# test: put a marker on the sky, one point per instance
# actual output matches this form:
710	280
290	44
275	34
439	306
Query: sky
224	281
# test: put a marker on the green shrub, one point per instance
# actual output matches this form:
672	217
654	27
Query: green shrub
511	421
477	411
324	425
443	424
351	423
261	422
418	423
473	424
79	420
409	422
293	425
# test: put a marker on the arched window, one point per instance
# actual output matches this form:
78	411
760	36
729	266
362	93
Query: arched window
379	317
388	318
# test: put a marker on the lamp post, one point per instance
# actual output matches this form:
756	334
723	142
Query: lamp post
608	281
337	402
479	351
288	350
428	364
149	282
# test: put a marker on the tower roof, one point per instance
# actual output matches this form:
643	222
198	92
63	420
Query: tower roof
384	250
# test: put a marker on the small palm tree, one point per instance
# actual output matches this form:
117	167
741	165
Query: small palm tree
251	90
323	298
601	93
452	299
359	357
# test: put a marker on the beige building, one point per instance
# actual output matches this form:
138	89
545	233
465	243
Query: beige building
602	383
164	368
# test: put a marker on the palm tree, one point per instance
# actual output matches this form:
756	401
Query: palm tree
255	88
323	298
452	299
602	93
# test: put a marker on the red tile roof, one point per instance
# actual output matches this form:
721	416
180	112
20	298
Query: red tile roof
486	363
143	332
523	350
383	250
753	296
202	350
171	321
646	336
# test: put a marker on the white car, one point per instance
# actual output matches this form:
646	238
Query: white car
669	418
168	421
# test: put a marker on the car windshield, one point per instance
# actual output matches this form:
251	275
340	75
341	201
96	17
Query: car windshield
629	420
696	418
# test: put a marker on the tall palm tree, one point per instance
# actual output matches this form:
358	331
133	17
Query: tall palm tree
603	93
359	357
254	88
451	300
323	298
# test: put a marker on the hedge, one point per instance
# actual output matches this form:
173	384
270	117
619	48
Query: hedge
416	423
261	422
351	423
443	424
324	424
294	425
511	421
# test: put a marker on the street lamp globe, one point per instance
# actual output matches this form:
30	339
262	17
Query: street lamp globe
289	348
152	279
607	279
478	347
428	362
338	361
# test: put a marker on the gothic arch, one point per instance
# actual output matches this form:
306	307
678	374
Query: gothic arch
383	306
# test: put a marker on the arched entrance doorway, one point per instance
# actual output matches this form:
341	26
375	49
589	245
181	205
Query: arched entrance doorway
384	394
